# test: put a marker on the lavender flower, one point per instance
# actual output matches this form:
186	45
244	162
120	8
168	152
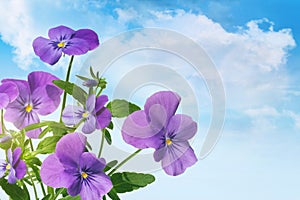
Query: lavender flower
8	93
158	127
64	40
95	115
37	96
78	171
15	166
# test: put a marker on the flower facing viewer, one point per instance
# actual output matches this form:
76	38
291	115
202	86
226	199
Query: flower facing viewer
15	166
37	96
64	40
95	115
158	127
78	171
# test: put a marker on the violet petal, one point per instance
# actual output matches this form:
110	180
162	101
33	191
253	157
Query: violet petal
103	118
100	102
89	36
20	169
53	173
168	100
44	49
72	115
90	162
178	158
60	32
89	125
16	155
182	127
137	131
4	100
10	89
98	186
69	149
90	103
40	79
12	176
77	46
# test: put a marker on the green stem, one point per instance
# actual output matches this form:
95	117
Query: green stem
125	161
31	145
65	93
58	193
102	144
2	122
33	185
35	126
98	94
43	189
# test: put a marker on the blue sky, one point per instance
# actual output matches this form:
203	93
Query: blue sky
254	45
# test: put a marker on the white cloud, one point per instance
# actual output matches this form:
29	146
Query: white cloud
251	61
294	116
263	111
17	30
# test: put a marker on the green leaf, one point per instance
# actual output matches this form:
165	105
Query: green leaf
113	194
13	190
121	108
82	78
44	132
110	165
129	181
110	126
107	136
92	73
66	86
47	197
48	145
77	92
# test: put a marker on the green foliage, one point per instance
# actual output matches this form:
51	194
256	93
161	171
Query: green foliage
77	92
110	165
129	181
14	191
107	136
48	145
121	108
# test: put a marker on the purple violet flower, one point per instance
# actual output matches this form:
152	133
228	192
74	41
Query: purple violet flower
15	166
95	115
37	96
8	93
158	127
78	171
64	40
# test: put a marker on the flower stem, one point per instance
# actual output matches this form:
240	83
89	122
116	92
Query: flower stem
102	144
58	193
2	122
33	185
65	93
124	161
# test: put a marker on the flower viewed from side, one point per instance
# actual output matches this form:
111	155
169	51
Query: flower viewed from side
64	40
95	115
158	127
15	167
8	93
37	96
78	171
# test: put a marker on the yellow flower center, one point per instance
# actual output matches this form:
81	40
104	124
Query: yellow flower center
28	108
8	167
168	141
85	114
84	175
61	44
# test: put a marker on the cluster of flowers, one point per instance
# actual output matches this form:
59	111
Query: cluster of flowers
70	165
